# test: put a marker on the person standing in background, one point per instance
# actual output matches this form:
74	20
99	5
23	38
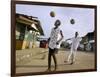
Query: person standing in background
75	43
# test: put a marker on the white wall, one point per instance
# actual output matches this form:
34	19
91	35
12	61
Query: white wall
5	38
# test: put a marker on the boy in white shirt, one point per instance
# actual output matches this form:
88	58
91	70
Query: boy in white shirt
75	43
53	42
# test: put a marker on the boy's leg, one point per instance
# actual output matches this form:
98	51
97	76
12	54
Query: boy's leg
55	60
74	55
49	60
56	50
70	55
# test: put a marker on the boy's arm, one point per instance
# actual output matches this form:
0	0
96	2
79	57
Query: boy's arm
68	39
48	39
61	37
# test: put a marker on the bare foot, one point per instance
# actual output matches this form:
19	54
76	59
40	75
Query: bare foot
55	68
48	70
71	63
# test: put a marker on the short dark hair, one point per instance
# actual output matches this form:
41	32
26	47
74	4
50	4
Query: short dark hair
76	33
57	22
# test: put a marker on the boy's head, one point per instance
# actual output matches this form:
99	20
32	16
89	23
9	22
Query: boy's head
57	23
76	33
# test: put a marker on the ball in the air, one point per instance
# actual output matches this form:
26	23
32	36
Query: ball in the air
52	14
72	21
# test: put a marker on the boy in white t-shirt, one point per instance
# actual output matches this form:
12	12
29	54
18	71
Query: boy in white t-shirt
75	43
53	42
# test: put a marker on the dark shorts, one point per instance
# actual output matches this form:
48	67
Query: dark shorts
53	51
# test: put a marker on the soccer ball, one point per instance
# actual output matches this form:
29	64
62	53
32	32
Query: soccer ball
52	14
72	21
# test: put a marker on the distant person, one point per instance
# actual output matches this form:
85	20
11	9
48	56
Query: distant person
54	41
75	43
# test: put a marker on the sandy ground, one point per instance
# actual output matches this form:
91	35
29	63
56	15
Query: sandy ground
36	60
